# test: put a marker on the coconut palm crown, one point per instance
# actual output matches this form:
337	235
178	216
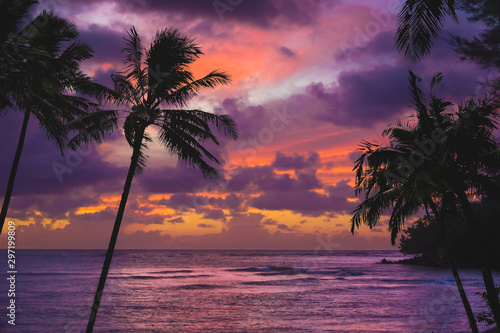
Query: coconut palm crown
156	83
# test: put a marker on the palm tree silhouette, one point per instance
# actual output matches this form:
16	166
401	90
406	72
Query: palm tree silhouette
420	22
456	153
156	87
12	14
41	75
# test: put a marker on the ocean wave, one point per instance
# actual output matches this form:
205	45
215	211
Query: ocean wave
341	273
137	277
174	271
417	281
56	273
270	270
284	270
197	286
187	276
152	277
247	269
279	282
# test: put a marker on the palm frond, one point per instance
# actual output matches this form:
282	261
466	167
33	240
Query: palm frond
134	51
180	96
188	150
222	123
128	94
170	52
419	23
12	15
91	128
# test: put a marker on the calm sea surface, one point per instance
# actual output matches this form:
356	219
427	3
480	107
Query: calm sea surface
235	291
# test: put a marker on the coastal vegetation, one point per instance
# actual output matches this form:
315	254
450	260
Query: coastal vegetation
438	160
421	238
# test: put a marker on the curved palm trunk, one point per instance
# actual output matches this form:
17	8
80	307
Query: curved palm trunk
116	229
460	287
454	270
481	253
13	170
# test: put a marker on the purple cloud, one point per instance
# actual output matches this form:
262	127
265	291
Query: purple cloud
362	98
295	161
287	52
308	203
214	214
204	225
264	178
106	43
180	179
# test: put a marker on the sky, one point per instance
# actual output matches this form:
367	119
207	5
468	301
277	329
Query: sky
311	79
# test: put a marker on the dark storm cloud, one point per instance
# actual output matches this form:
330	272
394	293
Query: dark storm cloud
380	45
261	13
287	52
295	161
214	214
106	43
264	178
42	169
461	79
205	225
180	179
52	206
184	201
103	77
248	117
362	98
308	203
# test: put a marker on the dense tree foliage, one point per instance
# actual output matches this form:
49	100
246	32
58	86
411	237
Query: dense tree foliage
422	238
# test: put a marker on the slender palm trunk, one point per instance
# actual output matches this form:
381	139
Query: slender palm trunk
460	287
481	253
454	270
116	229
13	170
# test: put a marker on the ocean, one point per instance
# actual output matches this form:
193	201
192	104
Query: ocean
235	291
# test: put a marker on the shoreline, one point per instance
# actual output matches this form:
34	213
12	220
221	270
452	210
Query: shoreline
424	261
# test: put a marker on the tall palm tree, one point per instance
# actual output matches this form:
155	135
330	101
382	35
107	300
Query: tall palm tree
389	179
471	160
420	22
378	174
386	174
42	78
157	83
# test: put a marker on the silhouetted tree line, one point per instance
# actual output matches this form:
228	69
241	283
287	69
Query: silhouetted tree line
422	239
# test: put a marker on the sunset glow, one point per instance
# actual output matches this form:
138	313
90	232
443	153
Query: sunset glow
309	82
